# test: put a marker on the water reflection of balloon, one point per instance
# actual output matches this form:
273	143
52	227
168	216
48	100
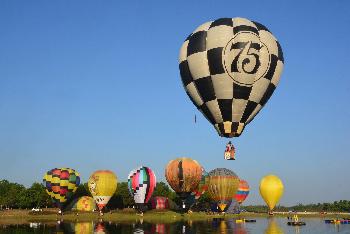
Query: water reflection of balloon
273	228
61	184
183	176
141	184
237	228
83	227
222	186
271	190
160	228
230	67
99	228
102	185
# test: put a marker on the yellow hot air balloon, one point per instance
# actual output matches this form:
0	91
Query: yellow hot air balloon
85	203
271	190
102	185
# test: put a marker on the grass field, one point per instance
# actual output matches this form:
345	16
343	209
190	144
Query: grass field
128	215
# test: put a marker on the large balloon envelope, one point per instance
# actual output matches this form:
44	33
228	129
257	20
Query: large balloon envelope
183	176
61	184
222	186
271	190
242	191
102	185
141	184
229	68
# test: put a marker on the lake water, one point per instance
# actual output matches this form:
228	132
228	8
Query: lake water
262	225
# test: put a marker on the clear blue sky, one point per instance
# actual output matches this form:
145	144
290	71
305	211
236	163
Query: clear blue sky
95	85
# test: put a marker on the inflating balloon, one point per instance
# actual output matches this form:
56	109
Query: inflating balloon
141	184
271	190
102	185
230	67
222	186
61	184
159	203
183	176
242	191
85	203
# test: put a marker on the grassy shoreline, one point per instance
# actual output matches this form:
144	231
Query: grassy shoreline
25	216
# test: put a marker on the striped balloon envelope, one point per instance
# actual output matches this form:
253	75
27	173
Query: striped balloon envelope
183	176
222	186
61	184
242	192
141	184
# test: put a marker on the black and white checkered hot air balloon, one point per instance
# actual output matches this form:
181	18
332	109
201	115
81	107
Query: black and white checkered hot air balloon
230	67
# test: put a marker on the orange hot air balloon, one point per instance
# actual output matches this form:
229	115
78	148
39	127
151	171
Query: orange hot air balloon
183	176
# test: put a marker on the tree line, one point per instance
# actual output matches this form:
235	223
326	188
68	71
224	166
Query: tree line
336	206
17	196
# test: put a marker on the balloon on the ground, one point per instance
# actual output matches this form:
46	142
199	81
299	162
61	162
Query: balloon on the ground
102	185
229	68
85	203
271	190
141	184
160	203
242	191
183	175
61	184
222	186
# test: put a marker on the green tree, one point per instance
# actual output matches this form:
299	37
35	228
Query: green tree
162	189
121	198
10	194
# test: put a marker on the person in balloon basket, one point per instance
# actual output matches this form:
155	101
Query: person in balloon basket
230	151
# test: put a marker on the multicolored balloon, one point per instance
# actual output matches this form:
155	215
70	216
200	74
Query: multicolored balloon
183	176
102	185
242	191
229	68
141	184
271	190
222	186
61	184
